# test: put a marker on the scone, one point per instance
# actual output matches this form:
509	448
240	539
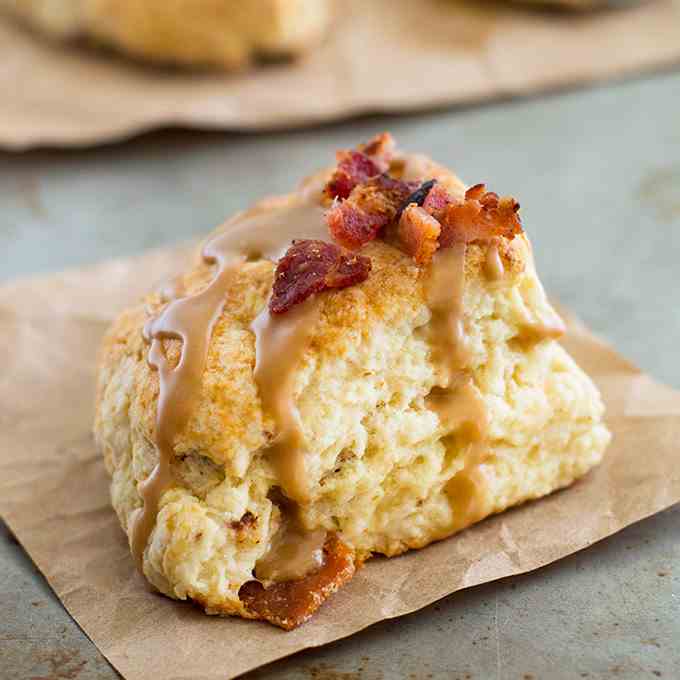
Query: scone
364	366
222	33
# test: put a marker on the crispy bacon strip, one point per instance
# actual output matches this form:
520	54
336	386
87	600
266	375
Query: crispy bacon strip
311	266
371	205
357	166
481	216
290	603
419	233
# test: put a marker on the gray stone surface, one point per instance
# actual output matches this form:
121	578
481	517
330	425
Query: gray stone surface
598	174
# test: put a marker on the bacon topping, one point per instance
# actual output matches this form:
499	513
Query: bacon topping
370	207
436	200
290	603
310	267
353	168
352	227
418	196
367	200
357	166
381	146
419	233
481	216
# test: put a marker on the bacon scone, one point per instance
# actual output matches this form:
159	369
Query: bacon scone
364	366
222	33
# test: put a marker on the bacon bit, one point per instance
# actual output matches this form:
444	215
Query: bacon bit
357	166
370	200
290	603
382	146
370	207
436	200
419	233
310	267
418	196
382	194
351	226
353	168
474	193
479	217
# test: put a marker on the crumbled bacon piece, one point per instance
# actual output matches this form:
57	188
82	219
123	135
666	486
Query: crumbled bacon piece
370	207
353	168
351	226
381	146
357	166
476	192
290	603
419	233
370	200
310	267
418	197
382	194
436	200
479	217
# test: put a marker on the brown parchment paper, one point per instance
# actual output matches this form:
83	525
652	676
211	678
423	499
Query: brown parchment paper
54	492
380	56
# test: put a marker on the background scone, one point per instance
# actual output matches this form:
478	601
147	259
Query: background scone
423	389
222	33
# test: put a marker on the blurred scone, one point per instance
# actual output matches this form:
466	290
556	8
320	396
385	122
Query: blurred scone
425	382
222	33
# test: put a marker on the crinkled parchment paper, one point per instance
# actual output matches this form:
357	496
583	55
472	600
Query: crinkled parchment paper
381	55
54	492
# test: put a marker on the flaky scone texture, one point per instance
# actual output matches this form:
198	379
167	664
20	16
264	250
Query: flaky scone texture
221	33
380	461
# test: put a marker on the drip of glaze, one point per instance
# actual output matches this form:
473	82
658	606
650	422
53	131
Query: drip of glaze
281	340
463	411
494	270
167	289
458	404
191	321
548	326
294	553
444	295
259	233
460	407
